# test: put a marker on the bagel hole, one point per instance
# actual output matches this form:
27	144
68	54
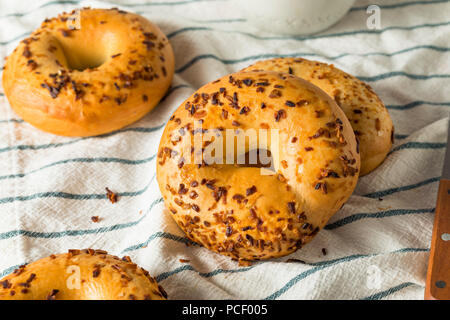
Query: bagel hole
82	59
84	63
256	158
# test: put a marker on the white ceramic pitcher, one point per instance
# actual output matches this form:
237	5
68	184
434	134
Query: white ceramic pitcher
293	17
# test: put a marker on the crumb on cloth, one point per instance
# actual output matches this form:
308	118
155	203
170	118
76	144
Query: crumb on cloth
111	195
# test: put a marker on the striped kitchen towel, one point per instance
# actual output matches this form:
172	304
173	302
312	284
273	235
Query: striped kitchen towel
377	246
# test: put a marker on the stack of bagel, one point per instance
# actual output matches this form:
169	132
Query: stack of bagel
331	129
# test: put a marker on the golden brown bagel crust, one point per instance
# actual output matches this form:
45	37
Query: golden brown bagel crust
102	277
236	211
364	109
126	64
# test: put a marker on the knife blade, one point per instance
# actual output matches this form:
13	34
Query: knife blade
437	286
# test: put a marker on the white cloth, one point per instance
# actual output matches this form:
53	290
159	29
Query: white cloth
51	186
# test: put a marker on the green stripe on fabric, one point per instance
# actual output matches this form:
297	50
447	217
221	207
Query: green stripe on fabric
419	145
328	264
81	160
304	54
375	215
417	103
55	145
157	235
75	233
72	196
390	191
188	267
47	4
401	136
66	233
311	37
317	266
402	74
388	292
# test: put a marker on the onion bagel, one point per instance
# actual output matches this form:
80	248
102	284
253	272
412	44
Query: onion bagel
364	109
89	72
240	210
81	275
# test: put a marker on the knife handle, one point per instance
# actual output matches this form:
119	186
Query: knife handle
438	276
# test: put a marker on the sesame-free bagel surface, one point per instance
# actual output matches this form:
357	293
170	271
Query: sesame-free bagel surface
364	109
89	72
81	275
235	209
